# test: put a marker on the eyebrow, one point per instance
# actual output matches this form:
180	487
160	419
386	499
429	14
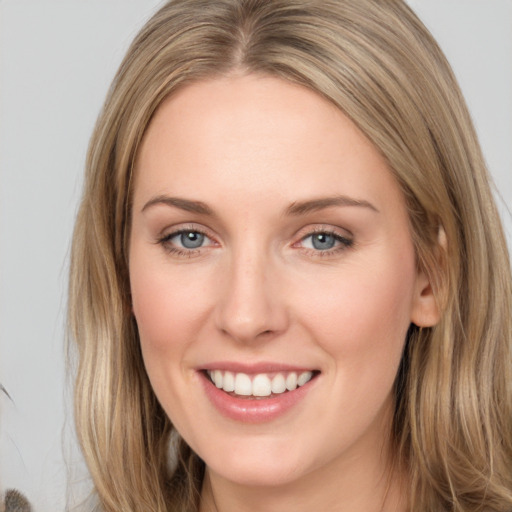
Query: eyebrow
297	208
182	204
313	205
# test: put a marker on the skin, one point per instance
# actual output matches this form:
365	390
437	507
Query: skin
258	289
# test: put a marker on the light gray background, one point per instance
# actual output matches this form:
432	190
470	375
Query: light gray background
56	61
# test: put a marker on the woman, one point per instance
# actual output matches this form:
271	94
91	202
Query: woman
289	283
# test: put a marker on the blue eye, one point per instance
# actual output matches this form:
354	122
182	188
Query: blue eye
190	239
325	241
185	241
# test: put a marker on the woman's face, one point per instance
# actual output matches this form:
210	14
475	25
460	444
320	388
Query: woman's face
270	252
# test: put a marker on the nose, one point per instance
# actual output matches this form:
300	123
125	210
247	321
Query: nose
251	306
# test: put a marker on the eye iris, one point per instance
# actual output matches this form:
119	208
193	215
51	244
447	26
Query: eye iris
323	241
191	239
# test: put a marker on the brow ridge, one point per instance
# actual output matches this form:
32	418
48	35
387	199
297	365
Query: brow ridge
295	209
181	203
304	207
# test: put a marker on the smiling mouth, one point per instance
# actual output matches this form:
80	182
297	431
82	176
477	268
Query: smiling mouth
261	385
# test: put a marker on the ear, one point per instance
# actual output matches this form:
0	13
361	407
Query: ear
426	306
425	311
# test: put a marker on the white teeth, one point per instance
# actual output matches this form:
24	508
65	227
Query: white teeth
291	381
229	382
243	384
217	378
261	385
304	377
278	384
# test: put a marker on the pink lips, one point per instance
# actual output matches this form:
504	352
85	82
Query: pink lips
252	409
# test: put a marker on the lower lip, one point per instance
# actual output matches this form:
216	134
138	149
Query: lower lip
254	410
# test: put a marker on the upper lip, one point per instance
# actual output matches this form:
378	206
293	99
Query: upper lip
254	368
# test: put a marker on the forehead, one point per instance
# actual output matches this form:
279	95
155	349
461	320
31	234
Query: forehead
251	134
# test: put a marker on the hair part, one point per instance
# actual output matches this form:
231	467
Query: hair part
376	62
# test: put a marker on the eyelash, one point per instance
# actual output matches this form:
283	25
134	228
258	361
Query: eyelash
164	241
344	242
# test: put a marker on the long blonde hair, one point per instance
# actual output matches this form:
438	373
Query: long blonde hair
376	61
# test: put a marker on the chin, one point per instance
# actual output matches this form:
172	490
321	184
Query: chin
273	474
258	465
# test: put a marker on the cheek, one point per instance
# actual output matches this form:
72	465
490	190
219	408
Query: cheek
154	310
362	317
361	321
168	310
168	307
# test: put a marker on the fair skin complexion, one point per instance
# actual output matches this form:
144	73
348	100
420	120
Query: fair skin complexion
269	232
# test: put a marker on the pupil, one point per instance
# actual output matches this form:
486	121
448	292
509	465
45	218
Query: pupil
323	241
192	239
